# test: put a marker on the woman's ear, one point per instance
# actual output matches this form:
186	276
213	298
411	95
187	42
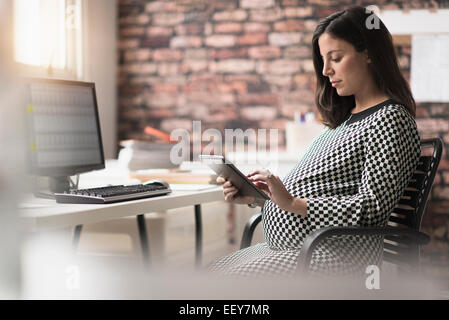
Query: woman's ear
368	59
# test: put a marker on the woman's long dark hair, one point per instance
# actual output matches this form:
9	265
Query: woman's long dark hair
358	26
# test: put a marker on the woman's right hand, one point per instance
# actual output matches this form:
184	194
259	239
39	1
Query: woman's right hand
230	192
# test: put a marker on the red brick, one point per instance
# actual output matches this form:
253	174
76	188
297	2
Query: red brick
236	86
293	3
234	15
230	27
128	43
256	27
205	78
221	41
141	19
168	18
310	25
160	6
144	80
303	81
139	68
297	52
167	69
196	54
445	177
284	38
191	65
137	55
433	125
282	81
289	26
444	165
252	39
186	42
159	31
266	15
307	65
256	4
168	125
323	12
249	78
164	88
161	100
210	98
132	31
441	193
282	66
160	113
269	99
167	55
264	52
156	42
232	66
189	29
228	53
298	12
132	114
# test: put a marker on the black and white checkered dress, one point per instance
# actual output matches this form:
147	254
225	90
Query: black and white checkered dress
351	175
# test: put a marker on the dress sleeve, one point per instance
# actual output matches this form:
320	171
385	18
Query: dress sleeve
391	150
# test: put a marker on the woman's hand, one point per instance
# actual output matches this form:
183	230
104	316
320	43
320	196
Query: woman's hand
230	191
273	187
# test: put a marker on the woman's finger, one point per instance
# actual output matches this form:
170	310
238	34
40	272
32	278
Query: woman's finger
228	190
253	173
259	177
229	196
221	180
227	184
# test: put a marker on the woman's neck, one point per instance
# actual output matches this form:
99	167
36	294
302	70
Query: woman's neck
364	103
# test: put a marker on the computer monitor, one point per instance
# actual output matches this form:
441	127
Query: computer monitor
64	136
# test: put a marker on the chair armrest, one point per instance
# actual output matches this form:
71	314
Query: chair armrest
312	241
249	230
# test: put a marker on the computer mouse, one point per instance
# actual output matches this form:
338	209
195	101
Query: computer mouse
162	183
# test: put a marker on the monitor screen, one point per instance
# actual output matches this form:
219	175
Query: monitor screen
64	128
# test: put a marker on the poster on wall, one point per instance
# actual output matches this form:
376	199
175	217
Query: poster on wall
430	67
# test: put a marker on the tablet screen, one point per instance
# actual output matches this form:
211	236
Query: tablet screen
227	170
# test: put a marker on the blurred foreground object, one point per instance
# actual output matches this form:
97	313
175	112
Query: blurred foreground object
11	174
139	155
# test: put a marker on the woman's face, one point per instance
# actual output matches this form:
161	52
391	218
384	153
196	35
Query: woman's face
346	68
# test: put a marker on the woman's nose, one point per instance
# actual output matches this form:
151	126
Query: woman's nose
327	70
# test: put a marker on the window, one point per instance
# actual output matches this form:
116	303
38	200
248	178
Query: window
47	37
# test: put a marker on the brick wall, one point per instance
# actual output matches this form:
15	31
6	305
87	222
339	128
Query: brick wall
244	64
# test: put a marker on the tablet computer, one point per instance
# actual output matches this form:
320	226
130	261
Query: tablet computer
228	171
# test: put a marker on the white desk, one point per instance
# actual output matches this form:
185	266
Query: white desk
43	215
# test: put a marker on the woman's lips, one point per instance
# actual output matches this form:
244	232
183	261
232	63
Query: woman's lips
335	83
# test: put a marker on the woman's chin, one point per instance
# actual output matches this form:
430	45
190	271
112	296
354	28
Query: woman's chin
343	93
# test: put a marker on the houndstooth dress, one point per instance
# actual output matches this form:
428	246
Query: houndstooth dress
352	175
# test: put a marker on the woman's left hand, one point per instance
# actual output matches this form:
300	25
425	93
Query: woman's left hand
273	186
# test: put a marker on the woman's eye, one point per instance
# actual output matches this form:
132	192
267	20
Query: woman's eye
336	60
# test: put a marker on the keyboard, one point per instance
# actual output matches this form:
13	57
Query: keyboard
112	194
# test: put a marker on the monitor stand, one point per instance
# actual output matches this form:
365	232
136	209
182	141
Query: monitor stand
57	185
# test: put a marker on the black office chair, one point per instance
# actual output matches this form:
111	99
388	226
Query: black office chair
401	238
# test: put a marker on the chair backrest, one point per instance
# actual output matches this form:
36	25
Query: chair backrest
412	205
